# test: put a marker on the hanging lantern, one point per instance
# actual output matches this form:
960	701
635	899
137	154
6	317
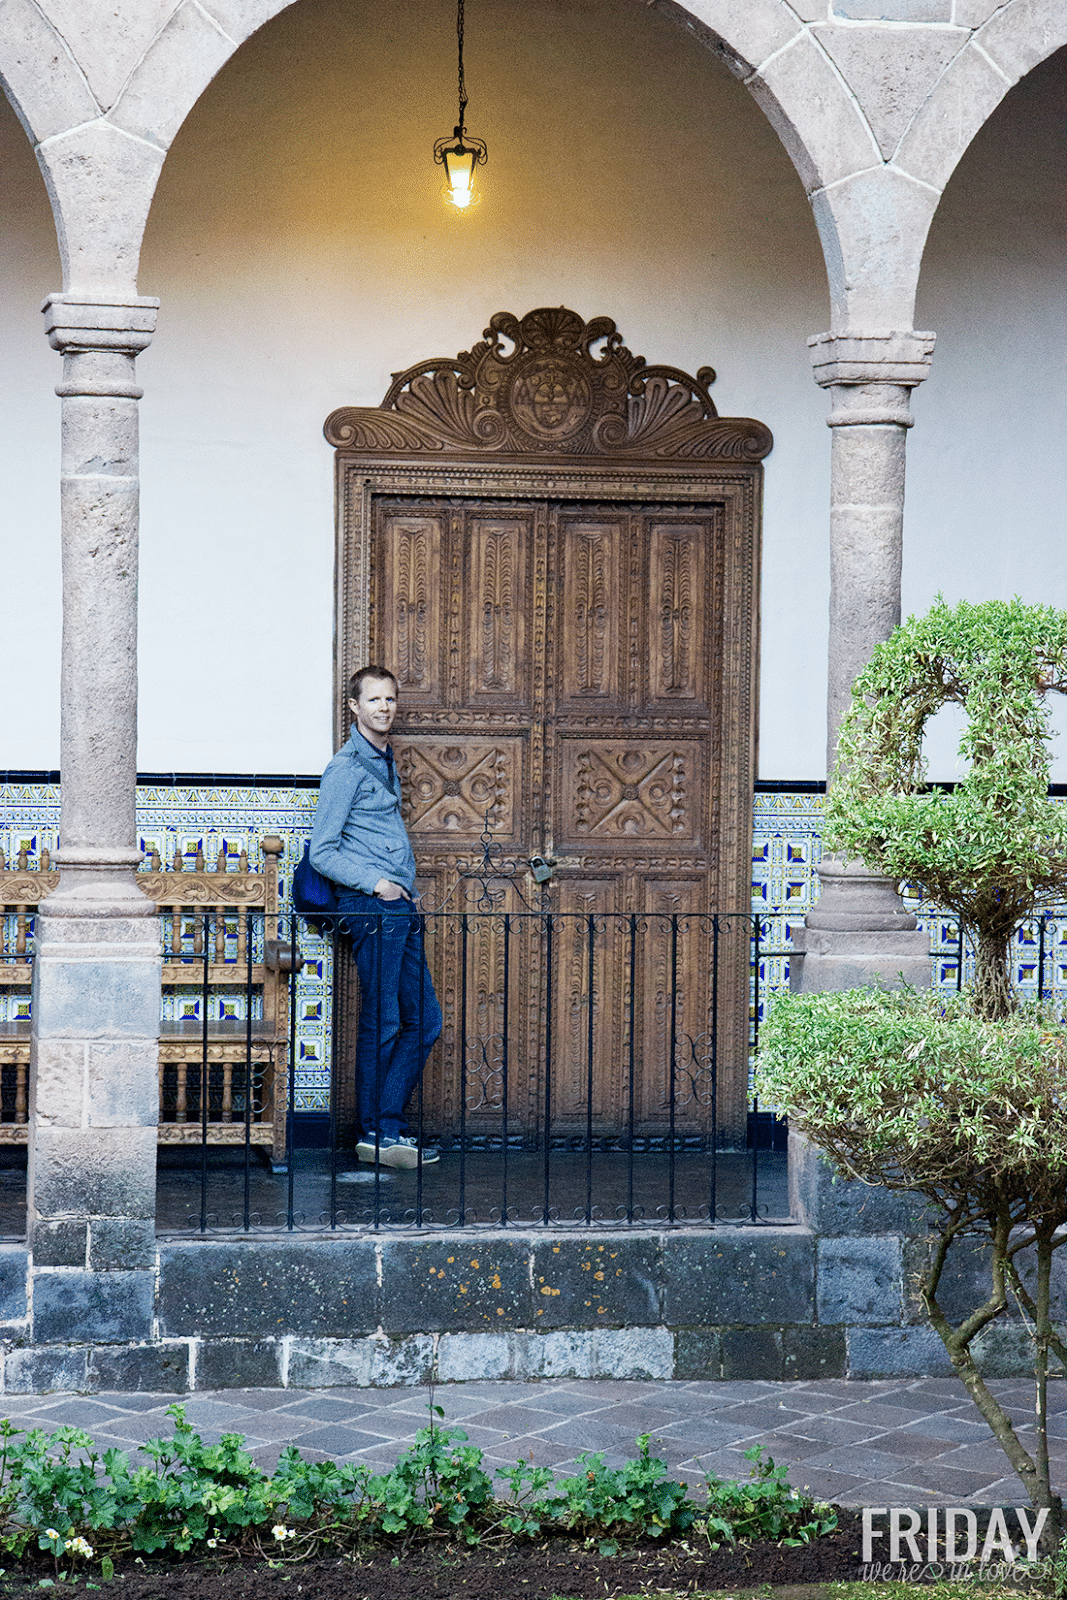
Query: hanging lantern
461	154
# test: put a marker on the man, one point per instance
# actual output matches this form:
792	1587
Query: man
359	840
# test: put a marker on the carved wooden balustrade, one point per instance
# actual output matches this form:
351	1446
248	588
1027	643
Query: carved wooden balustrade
220	1073
21	887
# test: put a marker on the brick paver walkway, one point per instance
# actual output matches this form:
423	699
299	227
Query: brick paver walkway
893	1442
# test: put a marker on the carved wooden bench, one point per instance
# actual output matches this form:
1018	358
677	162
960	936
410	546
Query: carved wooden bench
208	966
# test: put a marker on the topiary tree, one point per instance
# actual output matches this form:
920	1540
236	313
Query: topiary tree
961	1098
915	1091
996	848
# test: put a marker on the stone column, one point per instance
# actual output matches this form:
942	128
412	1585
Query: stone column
860	930
96	983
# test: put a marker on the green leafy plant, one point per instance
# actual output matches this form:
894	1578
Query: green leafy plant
58	1495
961	1099
766	1507
917	1092
636	1497
995	848
193	1491
442	1483
522	1514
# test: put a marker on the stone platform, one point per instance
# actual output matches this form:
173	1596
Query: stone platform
826	1295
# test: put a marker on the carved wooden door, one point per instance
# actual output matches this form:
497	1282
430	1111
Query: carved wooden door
557	680
458	613
630	739
556	548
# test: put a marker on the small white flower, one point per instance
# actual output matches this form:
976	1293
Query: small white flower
281	1532
212	1543
79	1547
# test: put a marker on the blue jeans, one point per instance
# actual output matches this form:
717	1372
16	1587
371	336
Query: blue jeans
399	1017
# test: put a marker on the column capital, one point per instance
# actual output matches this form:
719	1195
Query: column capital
100	341
74	323
901	358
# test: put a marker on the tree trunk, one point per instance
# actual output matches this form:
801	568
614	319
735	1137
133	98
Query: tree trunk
994	996
1042	1335
1032	1470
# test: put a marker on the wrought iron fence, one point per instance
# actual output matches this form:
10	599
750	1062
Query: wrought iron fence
541	1010
593	1070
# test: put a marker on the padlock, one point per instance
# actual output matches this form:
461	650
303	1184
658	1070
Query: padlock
540	869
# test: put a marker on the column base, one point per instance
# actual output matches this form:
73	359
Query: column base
93	1114
833	1207
98	882
858	934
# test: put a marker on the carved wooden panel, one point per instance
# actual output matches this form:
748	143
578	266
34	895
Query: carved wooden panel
497	594
493	1038
555	546
451	786
589	607
486	967
565	387
588	1024
616	791
681	610
407	591
678	983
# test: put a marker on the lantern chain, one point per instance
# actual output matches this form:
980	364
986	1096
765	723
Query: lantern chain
462	86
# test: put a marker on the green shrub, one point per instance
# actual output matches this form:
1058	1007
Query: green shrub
996	847
635	1498
57	1493
915	1091
766	1507
919	1092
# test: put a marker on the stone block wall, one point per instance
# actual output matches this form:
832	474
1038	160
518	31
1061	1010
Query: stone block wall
826	1296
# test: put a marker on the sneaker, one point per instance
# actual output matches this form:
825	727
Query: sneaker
400	1152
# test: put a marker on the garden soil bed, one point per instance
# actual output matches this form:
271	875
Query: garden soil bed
516	1572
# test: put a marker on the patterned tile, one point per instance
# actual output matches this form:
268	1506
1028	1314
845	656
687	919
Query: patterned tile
786	851
224	819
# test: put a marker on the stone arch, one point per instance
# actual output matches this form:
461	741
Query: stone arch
998	55
105	112
40	76
874	226
101	98
791	78
43	83
9	92
104	103
1016	39
873	197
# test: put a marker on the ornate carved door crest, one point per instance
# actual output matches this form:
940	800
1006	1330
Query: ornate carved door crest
552	393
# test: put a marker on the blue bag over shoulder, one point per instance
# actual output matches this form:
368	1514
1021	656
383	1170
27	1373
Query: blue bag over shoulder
314	896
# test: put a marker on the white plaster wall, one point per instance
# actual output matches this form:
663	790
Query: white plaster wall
29	461
297	270
987	459
298	278
302	254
